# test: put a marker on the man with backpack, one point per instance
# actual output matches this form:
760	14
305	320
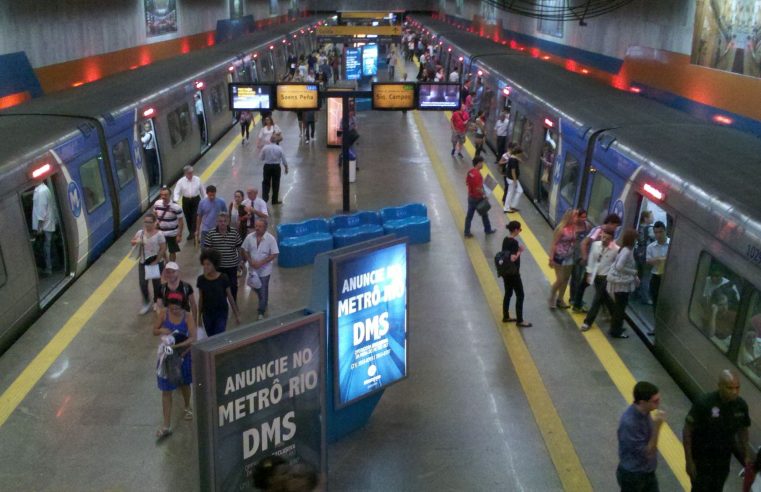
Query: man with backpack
508	262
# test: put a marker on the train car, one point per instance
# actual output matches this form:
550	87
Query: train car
591	146
79	155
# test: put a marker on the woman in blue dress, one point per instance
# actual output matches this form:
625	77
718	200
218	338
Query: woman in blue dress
179	324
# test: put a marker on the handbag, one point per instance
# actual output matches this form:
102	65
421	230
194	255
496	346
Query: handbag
152	271
483	206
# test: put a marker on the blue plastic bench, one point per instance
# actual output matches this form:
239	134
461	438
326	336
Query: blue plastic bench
355	228
300	242
409	220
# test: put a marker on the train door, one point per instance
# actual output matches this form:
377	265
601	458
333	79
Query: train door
151	155
200	111
91	193
655	228
126	183
267	65
47	236
545	169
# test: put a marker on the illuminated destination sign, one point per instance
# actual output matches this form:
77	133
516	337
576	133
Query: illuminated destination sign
369	319
333	31
297	96
250	96
393	96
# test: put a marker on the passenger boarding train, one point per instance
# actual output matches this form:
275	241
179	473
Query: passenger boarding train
82	149
591	146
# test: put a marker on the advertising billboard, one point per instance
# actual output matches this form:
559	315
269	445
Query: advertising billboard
353	69
259	392
160	17
438	96
370	60
252	97
297	96
393	96
369	319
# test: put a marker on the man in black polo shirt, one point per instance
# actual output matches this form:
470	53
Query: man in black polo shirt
716	427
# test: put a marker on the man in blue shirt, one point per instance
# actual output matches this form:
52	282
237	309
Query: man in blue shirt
638	440
208	210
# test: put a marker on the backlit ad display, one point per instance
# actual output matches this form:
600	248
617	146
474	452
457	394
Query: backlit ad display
438	96
251	97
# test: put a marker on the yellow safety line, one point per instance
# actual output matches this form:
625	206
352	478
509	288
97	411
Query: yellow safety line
559	445
33	372
669	444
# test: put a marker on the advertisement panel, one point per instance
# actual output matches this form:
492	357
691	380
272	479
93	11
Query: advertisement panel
369	309
160	17
335	113
727	36
393	96
370	60
250	96
259	392
438	96
353	69
297	96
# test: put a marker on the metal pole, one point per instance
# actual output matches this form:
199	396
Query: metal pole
345	152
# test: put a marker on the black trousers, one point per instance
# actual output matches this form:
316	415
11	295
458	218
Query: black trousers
619	311
244	128
232	275
190	210
636	482
601	297
501	147
710	477
271	180
578	284
655	288
309	129
202	127
513	283
152	161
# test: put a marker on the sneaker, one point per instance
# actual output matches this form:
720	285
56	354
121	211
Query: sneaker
584	327
146	307
452	152
582	309
307	141
467	234
490	231
260	316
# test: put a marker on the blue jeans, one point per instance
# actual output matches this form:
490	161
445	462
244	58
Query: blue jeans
215	322
263	293
472	202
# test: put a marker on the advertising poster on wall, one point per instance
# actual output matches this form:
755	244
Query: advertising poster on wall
353	68
160	17
727	36
369	320
370	60
259	393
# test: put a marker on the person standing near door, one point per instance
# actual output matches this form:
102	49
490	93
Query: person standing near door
190	189
44	222
500	128
656	258
148	139
200	117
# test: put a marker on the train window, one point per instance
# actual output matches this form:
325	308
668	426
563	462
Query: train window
570	181
92	184
599	199
178	121
520	120
547	161
125	170
715	301
3	274
750	348
216	99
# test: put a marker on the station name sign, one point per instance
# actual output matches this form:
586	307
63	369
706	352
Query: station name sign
297	97
394	96
335	31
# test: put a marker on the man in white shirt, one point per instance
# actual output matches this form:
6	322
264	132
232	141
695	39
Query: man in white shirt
190	189
500	128
602	254
272	155
44	221
200	117
256	208
454	76
260	251
655	255
148	139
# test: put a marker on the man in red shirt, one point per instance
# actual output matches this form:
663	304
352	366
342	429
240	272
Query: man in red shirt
459	127
475	184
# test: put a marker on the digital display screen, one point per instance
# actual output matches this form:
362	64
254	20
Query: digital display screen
393	96
370	60
353	69
252	97
438	96
297	96
370	320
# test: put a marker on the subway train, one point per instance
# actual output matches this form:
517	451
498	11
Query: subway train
81	151
588	145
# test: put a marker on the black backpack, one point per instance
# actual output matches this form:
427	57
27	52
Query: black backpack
504	265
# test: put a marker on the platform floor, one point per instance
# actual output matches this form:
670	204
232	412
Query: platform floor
473	415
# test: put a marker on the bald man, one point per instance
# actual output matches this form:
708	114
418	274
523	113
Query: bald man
716	427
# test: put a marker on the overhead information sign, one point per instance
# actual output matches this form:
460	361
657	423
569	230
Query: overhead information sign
333	31
259	393
244	96
369	312
366	15
394	96
297	96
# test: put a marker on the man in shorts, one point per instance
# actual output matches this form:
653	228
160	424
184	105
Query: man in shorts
459	127
170	221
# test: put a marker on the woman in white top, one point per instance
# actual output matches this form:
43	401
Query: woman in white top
622	280
152	250
268	129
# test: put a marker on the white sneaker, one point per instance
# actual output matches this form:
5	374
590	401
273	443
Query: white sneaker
146	307
584	327
261	316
